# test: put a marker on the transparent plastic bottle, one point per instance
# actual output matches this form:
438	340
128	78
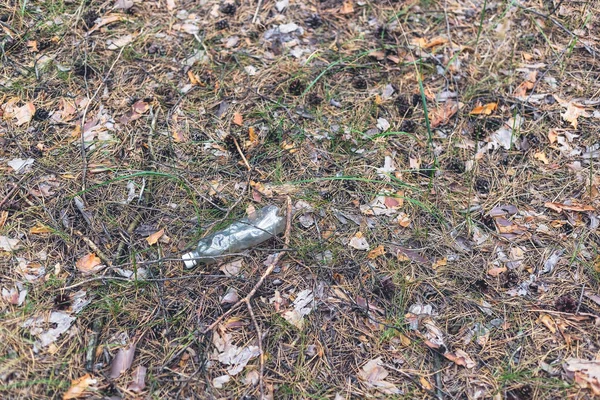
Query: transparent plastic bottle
243	234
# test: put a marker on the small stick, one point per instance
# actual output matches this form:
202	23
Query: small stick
239	149
256	12
11	192
580	299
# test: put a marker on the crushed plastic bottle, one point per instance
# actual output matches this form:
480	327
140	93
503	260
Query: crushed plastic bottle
241	235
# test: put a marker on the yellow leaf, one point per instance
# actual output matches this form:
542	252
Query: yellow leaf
178	136
39	229
425	383
152	239
440	263
548	322
541	156
89	263
193	79
404	340
78	387
252	135
378	99
597	264
238	119
485	109
376	252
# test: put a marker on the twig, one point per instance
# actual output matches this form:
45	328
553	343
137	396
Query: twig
91	349
256	11
580	299
11	192
246	300
239	149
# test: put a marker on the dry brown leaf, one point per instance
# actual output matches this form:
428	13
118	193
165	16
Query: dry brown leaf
572	112
496	271
89	264
252	135
560	207
107	19
79	386
404	220
373	375
238	119
376	252
552	136
442	114
347	7
435	42
461	358
153	238
548	322
193	78
521	90
22	114
486	109
597	264
586	373
442	262
425	383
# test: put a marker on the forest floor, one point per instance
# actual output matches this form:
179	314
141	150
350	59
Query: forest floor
437	158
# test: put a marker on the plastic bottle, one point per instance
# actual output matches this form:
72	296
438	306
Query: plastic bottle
243	234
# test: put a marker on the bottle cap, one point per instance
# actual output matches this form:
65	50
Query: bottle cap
188	259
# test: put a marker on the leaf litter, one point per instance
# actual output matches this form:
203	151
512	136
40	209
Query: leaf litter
463	236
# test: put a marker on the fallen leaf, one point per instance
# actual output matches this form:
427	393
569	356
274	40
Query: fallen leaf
435	42
219	381
440	263
79	386
115	44
301	309
461	358
425	383
252	135
347	7
15	296
560	207
59	322
586	373
573	111
542	157
358	242
238	119
122	361
404	220
486	109
39	229
22	114
20	165
123	4
152	239
548	322
8	244
496	271
105	20
376	252
89	264
138	382
229	354
442	114
521	90
373	375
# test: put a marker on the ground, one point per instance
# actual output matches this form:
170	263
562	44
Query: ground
434	161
